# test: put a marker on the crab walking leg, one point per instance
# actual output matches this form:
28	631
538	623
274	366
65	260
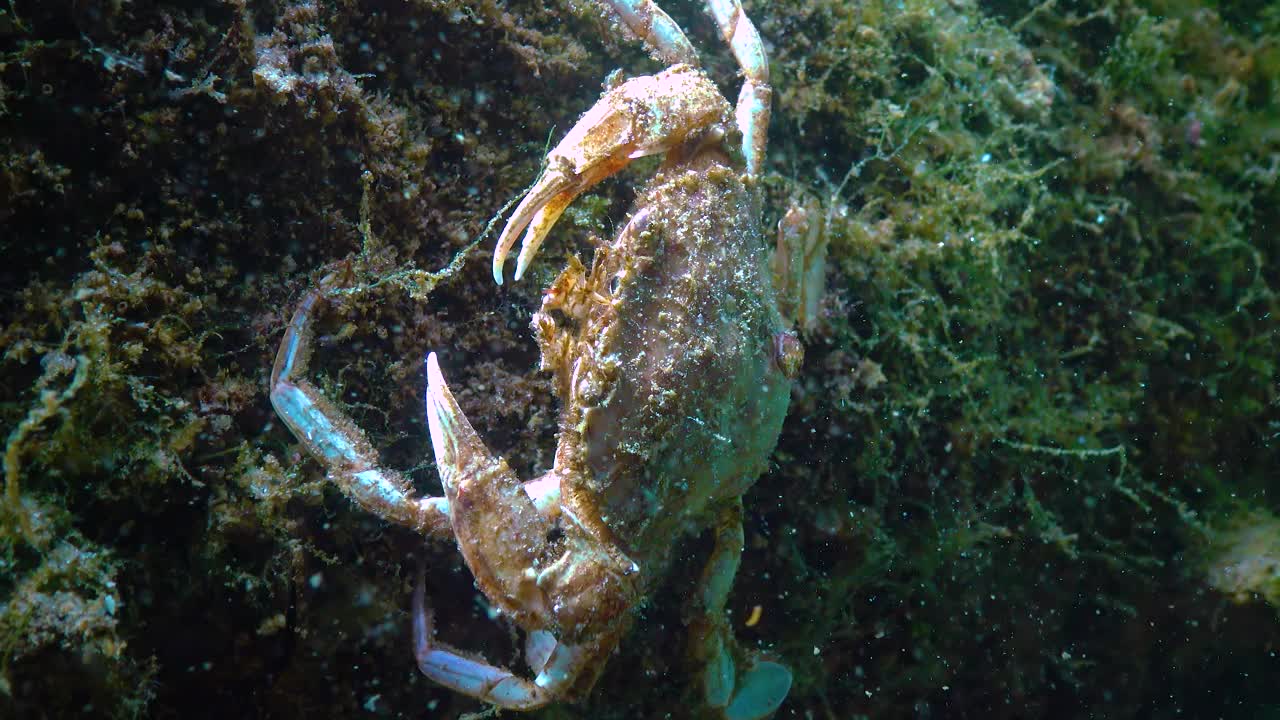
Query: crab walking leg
558	666
335	440
752	111
471	677
643	116
656	30
757	693
707	631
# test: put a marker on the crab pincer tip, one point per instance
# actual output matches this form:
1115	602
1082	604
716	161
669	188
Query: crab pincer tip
434	378
440	415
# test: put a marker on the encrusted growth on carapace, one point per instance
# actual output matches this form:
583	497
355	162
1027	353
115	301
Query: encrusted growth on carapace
662	355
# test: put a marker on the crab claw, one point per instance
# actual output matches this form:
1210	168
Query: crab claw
499	530
505	540
643	116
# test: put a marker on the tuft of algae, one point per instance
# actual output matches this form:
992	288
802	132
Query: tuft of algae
1037	390
1244	562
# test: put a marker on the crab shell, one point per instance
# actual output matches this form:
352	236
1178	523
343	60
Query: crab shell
664	363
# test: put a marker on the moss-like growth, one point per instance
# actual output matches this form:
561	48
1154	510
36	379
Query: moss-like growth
1244	560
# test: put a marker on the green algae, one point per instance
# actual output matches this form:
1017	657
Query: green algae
1244	559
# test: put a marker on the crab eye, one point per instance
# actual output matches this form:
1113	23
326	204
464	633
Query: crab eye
554	535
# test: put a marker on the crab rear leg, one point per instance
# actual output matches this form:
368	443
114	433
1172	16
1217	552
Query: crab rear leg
335	440
758	692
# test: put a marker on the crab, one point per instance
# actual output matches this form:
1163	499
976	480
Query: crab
672	364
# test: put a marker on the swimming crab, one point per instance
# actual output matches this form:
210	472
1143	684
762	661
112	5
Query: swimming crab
672	364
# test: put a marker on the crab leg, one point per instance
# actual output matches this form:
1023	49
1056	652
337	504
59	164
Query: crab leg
335	440
752	111
643	116
656	30
557	665
666	41
758	692
472	677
